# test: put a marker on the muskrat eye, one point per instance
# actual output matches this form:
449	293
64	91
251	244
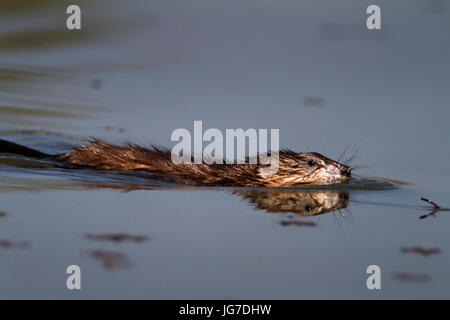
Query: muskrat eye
308	208
311	162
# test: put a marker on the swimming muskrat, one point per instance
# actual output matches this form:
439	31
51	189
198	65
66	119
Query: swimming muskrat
294	168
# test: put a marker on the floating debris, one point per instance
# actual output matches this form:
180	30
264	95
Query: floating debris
431	202
436	208
411	277
313	101
256	262
110	260
117	237
422	251
10	244
286	223
96	84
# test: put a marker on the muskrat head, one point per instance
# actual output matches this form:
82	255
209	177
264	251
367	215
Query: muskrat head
306	168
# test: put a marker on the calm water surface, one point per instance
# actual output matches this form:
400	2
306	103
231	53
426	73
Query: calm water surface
137	72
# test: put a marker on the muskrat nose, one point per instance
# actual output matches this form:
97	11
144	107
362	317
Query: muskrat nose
346	171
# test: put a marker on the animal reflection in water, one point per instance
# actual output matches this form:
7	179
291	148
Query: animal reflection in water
300	202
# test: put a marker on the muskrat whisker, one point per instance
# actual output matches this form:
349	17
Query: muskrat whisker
306	146
336	219
342	154
350	213
359	167
353	157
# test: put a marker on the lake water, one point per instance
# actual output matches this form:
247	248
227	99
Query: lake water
138	70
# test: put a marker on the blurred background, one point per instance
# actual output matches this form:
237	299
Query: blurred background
140	69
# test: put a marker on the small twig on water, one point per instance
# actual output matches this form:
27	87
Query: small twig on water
431	202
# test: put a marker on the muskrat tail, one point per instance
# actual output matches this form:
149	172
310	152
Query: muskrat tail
14	148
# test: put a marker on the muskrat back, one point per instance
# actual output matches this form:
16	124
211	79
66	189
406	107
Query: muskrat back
293	168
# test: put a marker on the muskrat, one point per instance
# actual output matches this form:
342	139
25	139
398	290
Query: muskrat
294	168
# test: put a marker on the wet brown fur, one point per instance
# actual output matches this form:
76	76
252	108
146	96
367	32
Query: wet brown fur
293	167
